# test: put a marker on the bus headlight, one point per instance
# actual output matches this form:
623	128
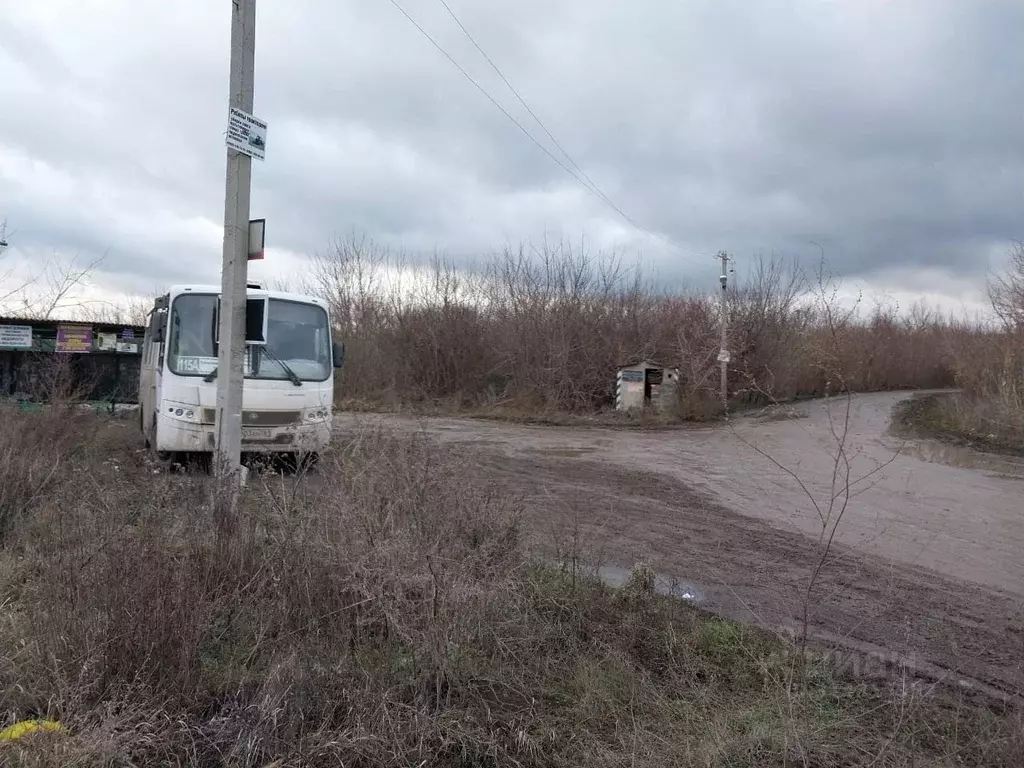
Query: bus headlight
182	411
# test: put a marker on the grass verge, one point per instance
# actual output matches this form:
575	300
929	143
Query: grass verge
951	417
385	612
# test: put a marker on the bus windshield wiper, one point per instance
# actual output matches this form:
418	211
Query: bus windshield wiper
292	376
288	371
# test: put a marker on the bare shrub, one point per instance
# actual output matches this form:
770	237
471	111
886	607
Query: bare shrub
989	367
990	372
36	447
55	379
543	330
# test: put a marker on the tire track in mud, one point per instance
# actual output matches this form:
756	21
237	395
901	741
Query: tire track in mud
748	570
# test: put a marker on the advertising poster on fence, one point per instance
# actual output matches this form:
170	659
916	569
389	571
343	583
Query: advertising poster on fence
16	336
74	338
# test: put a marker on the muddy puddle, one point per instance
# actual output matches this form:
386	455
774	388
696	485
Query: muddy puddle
669	586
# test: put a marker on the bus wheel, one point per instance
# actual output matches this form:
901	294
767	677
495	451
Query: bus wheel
151	444
194	462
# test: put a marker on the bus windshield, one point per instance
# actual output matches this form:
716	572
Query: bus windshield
297	335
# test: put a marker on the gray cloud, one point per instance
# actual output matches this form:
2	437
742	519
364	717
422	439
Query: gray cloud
885	131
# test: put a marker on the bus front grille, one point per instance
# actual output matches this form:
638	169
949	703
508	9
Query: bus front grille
270	418
258	418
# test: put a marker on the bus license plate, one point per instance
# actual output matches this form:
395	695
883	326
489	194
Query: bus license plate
256	434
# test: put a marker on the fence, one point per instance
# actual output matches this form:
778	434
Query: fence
98	362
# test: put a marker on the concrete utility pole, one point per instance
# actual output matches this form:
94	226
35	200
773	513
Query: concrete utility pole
231	353
723	353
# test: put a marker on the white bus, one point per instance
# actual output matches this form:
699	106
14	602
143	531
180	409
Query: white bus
289	373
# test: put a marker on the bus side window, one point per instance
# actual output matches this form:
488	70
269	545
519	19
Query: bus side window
155	333
147	343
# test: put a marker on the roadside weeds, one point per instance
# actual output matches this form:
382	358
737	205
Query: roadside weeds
386	611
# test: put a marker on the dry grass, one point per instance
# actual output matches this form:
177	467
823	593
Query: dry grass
975	423
35	448
384	612
988	367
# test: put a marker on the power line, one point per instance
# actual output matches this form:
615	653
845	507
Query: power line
594	188
482	90
591	187
521	100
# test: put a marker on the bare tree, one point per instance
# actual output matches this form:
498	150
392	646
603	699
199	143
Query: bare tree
831	503
131	311
1006	291
47	290
831	506
59	281
769	325
350	277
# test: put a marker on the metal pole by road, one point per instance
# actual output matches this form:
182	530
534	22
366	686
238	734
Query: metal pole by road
231	352
723	353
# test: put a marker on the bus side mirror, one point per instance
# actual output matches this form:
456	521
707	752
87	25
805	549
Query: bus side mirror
157	325
339	354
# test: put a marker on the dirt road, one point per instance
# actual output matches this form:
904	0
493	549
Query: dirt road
928	563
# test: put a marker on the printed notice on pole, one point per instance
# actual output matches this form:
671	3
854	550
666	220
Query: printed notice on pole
246	134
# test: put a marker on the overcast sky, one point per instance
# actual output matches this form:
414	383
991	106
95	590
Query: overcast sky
887	132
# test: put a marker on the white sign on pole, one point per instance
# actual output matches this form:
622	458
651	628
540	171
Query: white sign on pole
724	356
19	336
257	238
246	134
